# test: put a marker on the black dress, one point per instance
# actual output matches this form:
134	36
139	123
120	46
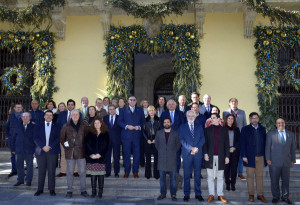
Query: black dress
96	144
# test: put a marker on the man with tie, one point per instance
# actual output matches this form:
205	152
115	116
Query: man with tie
62	119
114	141
195	99
37	116
23	147
182	104
252	147
84	107
47	138
200	119
177	119
192	139
131	120
206	107
280	156
11	127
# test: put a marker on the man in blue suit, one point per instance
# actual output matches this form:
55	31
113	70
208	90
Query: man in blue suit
37	116
131	120
47	139
11	127
23	147
192	139
114	141
177	118
200	118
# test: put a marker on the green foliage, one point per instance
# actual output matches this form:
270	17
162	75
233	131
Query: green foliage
17	74
42	44
180	40
268	43
34	15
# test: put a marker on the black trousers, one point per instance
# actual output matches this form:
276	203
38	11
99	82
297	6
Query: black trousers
149	150
231	168
47	163
142	151
276	173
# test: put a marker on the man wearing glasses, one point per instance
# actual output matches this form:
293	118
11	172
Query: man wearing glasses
131	119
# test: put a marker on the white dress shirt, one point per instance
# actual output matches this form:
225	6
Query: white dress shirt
283	133
48	131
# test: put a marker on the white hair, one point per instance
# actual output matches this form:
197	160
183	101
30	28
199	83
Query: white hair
171	100
190	111
75	110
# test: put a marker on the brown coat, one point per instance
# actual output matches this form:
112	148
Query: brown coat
101	113
76	149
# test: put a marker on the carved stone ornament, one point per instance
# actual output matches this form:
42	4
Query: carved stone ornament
153	25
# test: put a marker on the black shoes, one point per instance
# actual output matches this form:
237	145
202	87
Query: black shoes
288	201
52	193
84	194
69	195
18	184
12	174
275	201
28	184
228	187
200	198
39	192
232	187
161	197
174	198
186	198
107	175
117	175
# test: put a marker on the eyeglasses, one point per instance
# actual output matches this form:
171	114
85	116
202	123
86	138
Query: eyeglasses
132	100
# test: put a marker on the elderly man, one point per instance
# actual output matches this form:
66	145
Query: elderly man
37	116
177	119
131	120
72	138
47	138
23	147
11	127
192	139
206	107
84	106
182	104
280	156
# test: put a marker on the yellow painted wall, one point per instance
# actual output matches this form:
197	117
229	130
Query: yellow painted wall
227	58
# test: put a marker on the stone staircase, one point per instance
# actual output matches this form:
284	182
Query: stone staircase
149	188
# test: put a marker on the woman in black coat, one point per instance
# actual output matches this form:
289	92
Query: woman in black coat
151	126
230	171
97	142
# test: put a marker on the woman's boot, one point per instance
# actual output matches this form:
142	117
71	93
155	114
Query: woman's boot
101	185
94	185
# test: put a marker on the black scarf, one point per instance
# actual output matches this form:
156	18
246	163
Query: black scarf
77	126
229	128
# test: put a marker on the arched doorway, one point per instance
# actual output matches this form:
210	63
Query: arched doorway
164	86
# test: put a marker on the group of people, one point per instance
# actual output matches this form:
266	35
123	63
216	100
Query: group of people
192	135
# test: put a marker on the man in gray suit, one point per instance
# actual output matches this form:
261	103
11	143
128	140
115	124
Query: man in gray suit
167	144
280	156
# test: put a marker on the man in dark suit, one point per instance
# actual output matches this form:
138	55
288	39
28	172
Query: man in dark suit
191	135
114	141
280	156
11	127
216	155
47	139
131	121
23	147
182	104
167	144
200	119
62	119
195	99
206	107
252	145
177	119
37	116
84	106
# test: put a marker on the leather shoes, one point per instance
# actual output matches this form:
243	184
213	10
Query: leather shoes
161	197
28	184
232	187
210	198
186	198
135	175
107	175
251	198
200	198
76	174
288	201
126	175
61	175
39	192
18	184
117	175
84	193
174	198
228	187
12	174
242	177
69	195
222	198
52	193
275	201
262	198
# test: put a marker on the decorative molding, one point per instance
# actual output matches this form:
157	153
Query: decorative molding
249	19
105	18
199	18
59	21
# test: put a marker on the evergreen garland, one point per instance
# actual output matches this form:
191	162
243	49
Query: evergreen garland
180	40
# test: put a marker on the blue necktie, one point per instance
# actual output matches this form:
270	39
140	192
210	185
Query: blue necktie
48	124
112	121
282	137
192	130
172	117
